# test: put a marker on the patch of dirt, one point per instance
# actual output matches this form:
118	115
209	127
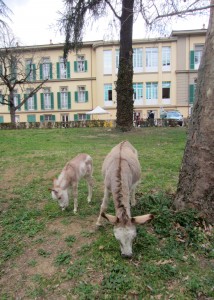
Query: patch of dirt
18	275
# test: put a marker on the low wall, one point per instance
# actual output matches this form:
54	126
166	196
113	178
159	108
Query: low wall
89	123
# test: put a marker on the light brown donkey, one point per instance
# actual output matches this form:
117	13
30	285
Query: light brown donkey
79	167
121	170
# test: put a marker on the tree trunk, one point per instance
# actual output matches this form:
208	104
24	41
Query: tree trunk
196	180
12	108
124	85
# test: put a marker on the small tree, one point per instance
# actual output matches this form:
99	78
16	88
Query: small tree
15	74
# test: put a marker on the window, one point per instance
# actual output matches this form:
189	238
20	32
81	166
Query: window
65	118
63	69
195	57
108	92
1	119
47	99
30	70
166	92
47	118
138	93
16	99
117	59
64	98
31	103
107	62
81	117
80	65
198	55
138	59
151	59
46	69
151	93
166	58
81	95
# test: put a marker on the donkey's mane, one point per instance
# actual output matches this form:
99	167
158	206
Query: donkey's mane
119	194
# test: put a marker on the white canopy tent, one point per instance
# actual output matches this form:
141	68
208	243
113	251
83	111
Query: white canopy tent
97	111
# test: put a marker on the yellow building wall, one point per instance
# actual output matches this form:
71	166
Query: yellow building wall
94	78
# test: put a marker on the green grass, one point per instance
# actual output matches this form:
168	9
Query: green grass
49	254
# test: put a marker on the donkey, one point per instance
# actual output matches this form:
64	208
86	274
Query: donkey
121	170
79	167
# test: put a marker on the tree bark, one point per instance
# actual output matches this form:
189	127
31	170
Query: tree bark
196	180
124	86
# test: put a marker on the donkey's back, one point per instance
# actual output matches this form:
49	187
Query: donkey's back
122	161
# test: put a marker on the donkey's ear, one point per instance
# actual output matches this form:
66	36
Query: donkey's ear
52	190
142	219
110	218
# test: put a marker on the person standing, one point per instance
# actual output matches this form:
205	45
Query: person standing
151	118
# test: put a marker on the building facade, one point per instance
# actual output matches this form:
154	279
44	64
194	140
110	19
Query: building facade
165	74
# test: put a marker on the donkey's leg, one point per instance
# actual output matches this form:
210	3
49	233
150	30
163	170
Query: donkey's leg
90	182
132	195
75	195
104	206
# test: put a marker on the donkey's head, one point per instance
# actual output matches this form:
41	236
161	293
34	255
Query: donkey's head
125	233
60	195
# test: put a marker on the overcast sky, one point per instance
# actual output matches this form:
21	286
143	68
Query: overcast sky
33	20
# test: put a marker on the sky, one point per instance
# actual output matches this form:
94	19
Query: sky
33	22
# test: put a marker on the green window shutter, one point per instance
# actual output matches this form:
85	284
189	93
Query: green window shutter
34	71
0	69
42	118
76	96
68	70
86	66
35	101
57	71
19	101
50	70
28	71
42	101
59	100
52	101
31	118
75	117
26	103
86	96
191	93
192	60
88	117
40	71
1	119
75	66
69	100
53	118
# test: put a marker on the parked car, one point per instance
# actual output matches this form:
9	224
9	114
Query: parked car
175	116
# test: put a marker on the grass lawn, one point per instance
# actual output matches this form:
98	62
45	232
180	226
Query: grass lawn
49	254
